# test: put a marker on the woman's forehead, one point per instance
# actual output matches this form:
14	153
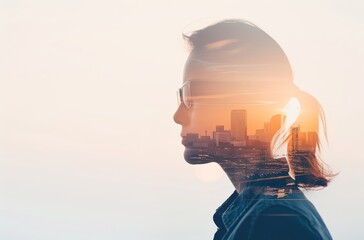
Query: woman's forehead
198	69
206	68
246	81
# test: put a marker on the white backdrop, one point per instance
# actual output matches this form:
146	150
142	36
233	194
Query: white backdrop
88	147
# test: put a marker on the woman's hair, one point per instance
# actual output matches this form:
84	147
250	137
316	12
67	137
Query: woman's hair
305	166
241	43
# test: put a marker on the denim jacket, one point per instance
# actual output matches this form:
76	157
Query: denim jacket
257	214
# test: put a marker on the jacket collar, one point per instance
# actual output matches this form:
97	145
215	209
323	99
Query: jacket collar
277	186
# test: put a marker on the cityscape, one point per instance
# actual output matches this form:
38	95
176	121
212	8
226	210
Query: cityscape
235	150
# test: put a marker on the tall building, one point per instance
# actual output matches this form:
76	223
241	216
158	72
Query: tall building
294	135
275	124
301	139
266	131
238	120
312	140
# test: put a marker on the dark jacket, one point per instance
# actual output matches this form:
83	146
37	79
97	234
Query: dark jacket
262	213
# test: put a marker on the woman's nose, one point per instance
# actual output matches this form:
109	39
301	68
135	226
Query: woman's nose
181	115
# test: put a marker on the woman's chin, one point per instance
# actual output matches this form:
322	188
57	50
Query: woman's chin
196	156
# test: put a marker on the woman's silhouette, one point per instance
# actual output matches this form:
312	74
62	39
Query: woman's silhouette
240	108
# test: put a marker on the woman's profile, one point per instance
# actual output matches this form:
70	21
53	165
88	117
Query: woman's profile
239	107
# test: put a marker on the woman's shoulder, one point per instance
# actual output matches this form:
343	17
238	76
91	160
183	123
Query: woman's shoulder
282	222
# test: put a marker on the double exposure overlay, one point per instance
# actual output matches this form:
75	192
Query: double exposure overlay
239	107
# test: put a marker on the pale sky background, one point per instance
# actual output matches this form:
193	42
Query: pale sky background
88	147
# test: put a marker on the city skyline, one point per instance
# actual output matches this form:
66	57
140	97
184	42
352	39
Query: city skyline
237	135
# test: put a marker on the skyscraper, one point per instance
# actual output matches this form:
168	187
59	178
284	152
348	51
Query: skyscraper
239	125
312	140
275	124
294	134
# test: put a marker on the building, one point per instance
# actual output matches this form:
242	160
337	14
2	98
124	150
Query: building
294	137
190	139
221	135
312	140
275	125
238	119
266	131
203	142
301	140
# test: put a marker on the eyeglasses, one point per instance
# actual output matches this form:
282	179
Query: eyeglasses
213	92
184	95
229	92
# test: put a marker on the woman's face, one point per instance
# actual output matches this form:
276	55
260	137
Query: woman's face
222	111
